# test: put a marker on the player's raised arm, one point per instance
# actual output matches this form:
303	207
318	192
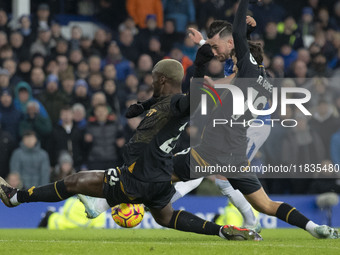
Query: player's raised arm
240	30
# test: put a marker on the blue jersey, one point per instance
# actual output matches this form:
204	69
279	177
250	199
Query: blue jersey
228	70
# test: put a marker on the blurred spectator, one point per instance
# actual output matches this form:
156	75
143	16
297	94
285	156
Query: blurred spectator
110	90
325	123
319	66
130	24
83	70
42	19
56	32
31	162
66	137
10	116
37	81
335	20
4	22
43	44
95	82
7	146
79	116
64	68
273	41
335	148
17	42
114	56
178	55
76	35
75	57
204	10
3	39
81	94
64	167
111	13
23	94
265	12
128	46
154	50
94	64
6	52
86	47
110	72
323	20
38	60
300	72
304	56
26	29
104	136
99	42
52	98
170	36
289	55
11	65
4	78
33	120
97	99
306	25
144	36
277	67
67	88
24	69
182	12
189	48
139	10
144	66
302	145
61	48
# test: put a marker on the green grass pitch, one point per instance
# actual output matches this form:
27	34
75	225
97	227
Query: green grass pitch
161	241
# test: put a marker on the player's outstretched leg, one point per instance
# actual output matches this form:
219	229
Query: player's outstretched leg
87	183
94	206
185	221
240	202
261	202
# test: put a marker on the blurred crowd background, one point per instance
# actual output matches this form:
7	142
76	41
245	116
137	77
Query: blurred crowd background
63	97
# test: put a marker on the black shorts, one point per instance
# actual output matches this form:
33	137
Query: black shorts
182	171
120	186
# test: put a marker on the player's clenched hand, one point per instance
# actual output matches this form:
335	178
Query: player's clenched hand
251	21
134	110
203	55
195	35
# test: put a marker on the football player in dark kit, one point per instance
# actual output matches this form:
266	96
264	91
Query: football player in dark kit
226	145
146	176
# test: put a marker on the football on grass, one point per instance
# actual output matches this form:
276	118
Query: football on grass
128	215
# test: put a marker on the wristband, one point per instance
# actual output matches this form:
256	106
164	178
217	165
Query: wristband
202	42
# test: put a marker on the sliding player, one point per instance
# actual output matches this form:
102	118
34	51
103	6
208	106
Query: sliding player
146	176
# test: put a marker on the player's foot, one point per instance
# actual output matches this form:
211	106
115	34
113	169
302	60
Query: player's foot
90	207
257	227
326	232
240	234
6	193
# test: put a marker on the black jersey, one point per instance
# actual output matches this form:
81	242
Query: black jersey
229	139
148	154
